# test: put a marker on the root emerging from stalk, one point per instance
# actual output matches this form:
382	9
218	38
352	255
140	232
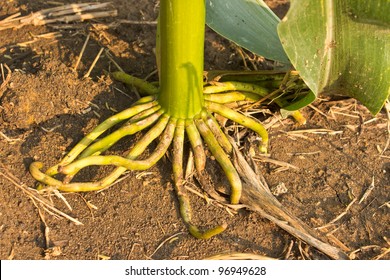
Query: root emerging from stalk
147	113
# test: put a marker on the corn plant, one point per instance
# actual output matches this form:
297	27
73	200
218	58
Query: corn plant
183	105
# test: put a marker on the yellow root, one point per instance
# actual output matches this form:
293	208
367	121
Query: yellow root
223	160
217	131
184	202
217	87
241	119
147	113
127	129
145	103
232	96
196	144
119	161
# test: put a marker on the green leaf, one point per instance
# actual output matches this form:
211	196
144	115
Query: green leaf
301	102
341	47
248	23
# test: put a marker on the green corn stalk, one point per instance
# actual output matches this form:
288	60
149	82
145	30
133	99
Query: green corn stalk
180	51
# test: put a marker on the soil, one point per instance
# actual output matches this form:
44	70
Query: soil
46	107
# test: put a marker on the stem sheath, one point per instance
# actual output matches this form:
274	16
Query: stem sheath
180	45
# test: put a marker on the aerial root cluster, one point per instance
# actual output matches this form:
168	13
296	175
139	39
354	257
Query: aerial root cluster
147	113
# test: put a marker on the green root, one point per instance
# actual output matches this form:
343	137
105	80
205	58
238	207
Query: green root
241	119
217	87
196	144
119	161
142	105
147	113
128	129
178	175
223	160
233	96
142	85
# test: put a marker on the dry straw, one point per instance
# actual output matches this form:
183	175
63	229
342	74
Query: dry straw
62	14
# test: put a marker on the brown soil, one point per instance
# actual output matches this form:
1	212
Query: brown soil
46	107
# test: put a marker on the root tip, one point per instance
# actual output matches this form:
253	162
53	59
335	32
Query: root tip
263	148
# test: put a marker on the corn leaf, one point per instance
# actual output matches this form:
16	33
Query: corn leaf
341	47
248	23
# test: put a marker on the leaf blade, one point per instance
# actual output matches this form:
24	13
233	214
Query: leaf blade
341	47
248	23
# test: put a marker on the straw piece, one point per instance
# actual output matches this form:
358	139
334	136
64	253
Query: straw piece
66	13
82	52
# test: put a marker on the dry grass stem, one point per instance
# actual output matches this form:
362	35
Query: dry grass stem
169	239
387	204
65	13
346	115
109	56
151	74
103	257
346	108
317	110
48	130
353	255
230	208
190	167
241	53
132	249
289	249
2	73
49	35
314	131
380	256
11	254
368	191
35	196
9	139
5	78
331	223
47	229
370	121
64	26
239	256
122	92
94	63
160	226
258	198
271	96
61	197
139	22
82	52
143	174
303	251
116	182
305	154
274	161
90	206
272	121
337	242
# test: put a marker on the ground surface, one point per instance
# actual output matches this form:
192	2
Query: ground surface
46	107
